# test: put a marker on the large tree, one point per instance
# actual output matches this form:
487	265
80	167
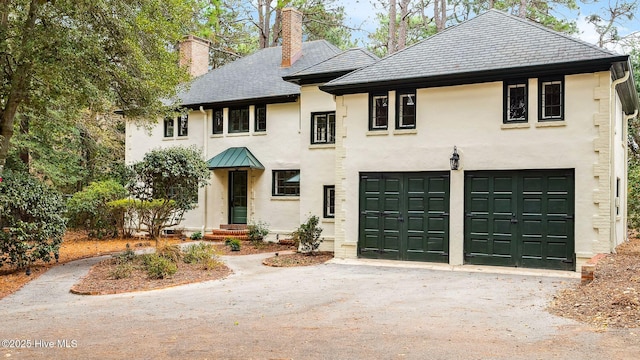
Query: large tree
62	57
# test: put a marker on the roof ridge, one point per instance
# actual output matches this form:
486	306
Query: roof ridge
538	25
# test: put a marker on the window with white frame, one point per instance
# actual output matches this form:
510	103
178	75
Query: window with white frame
168	127
378	111
323	127
551	99
183	125
286	183
515	100
406	109
329	201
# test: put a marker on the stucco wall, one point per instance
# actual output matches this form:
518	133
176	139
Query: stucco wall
317	162
471	118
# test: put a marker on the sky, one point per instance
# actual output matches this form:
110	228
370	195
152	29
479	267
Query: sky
362	13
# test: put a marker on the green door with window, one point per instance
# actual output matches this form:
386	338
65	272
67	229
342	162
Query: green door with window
404	216
237	197
520	218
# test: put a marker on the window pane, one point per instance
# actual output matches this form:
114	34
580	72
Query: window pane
261	118
379	112
217	121
323	128
407	111
239	120
552	100
286	182
183	125
331	128
329	201
517	100
168	127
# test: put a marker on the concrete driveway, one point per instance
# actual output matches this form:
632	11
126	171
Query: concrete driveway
343	310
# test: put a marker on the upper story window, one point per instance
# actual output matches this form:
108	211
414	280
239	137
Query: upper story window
515	101
323	128
183	125
286	183
406	110
217	121
239	119
168	127
261	118
378	111
551	99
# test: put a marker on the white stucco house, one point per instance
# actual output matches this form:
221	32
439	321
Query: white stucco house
495	142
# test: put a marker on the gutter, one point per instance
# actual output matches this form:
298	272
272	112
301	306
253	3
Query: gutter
612	159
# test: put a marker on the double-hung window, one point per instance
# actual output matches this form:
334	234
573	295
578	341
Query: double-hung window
168	127
183	125
551	99
406	109
515	101
378	111
239	119
286	183
261	118
217	121
323	128
329	201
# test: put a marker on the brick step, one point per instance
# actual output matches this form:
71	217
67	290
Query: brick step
233	227
212	237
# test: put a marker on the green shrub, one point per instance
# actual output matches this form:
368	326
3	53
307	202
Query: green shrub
233	243
257	232
126	256
124	213
122	271
172	253
88	209
198	253
196	236
32	220
159	267
308	235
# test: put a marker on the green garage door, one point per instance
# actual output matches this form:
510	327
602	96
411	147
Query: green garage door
404	216
520	218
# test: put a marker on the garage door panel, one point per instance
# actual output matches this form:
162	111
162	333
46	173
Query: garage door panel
413	210
539	233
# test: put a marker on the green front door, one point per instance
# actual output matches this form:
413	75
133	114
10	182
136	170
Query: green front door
404	216
237	197
520	218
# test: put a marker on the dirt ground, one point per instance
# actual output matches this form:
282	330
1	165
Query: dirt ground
612	299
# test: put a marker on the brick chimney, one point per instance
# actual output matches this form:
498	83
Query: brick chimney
291	36
194	54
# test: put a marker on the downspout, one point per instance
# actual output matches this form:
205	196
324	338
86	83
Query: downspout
205	147
612	173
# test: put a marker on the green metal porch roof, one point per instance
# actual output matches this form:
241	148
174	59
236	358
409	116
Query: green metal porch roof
235	157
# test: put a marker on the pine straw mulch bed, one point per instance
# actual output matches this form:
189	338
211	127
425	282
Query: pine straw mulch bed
298	259
100	281
612	299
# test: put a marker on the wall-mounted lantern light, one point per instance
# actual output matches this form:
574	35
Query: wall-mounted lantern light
455	159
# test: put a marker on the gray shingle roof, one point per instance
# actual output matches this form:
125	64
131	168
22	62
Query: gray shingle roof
348	60
255	76
491	41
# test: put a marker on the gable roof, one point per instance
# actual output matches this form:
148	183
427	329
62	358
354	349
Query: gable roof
235	157
334	67
489	47
256	77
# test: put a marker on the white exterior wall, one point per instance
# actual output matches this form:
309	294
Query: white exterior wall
317	163
276	149
471	118
619	186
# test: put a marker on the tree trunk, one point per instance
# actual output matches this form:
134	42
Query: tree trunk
19	82
262	20
24	129
391	43
522	11
404	24
277	28
440	14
